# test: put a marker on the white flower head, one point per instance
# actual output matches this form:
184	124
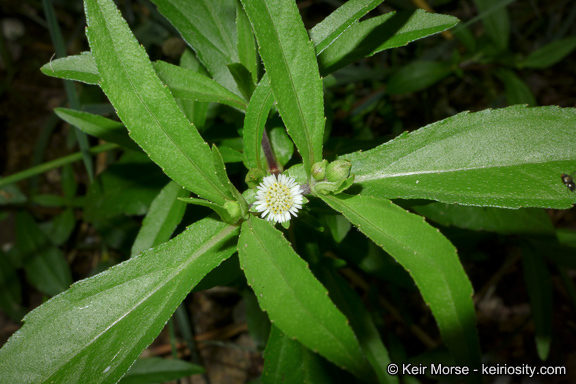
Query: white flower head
278	198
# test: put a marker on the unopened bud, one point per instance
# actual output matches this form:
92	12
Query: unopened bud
338	170
319	170
233	209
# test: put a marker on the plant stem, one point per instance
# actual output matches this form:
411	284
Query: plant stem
56	163
270	158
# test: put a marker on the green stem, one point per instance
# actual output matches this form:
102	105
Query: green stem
56	163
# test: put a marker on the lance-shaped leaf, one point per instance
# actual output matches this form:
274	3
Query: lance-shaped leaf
539	287
209	28
505	221
495	20
159	370
44	263
360	320
325	32
190	85
550	54
379	33
196	112
517	91
97	126
10	288
509	158
260	104
164	215
295	301
78	67
290	61
430	259
126	187
246	44
146	106
184	83
286	360
93	332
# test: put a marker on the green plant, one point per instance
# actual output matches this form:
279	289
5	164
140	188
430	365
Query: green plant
493	158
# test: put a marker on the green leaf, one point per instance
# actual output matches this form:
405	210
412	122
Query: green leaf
165	213
188	84
555	248
157	370
78	67
430	259
45	265
230	155
291	65
288	361
499	158
539	286
325	32
281	145
102	324
550	54
146	106
257	320
243	78
505	221
379	33
69	185
60	229
256	115
195	111
338	225
224	274
10	290
11	194
98	126
49	200
246	43
294	300
361	322
224	213
126	187
416	76
517	91
224	180
209	28
496	21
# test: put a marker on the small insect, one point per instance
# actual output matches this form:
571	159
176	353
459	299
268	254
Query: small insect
568	180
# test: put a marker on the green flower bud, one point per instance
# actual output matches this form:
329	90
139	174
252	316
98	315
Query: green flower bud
234	210
319	170
338	170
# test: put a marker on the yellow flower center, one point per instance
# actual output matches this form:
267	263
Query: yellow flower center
278	198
